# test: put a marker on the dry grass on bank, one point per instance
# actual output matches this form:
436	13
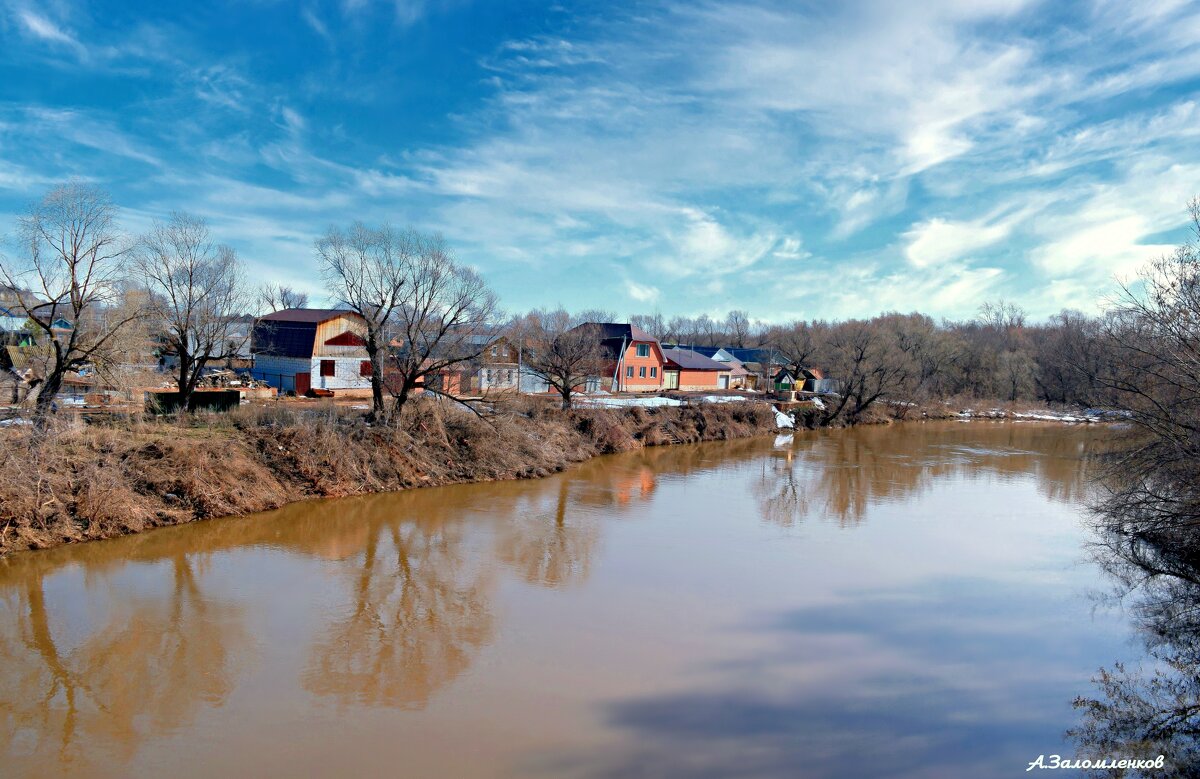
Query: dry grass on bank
77	482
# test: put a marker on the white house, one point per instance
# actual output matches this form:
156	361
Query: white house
302	349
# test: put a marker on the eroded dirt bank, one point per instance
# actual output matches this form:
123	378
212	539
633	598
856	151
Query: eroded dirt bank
82	482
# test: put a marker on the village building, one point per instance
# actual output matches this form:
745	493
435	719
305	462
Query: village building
306	350
633	359
690	371
499	364
740	377
14	329
815	381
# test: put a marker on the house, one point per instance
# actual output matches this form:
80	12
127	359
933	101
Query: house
304	349
501	368
633	359
690	371
815	381
783	380
740	377
499	364
13	329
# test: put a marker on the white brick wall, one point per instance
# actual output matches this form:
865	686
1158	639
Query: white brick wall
346	370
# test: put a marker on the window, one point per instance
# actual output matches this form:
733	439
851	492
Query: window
364	368
642	372
629	372
654	373
327	368
495	351
643	350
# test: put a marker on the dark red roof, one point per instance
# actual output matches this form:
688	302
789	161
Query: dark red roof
308	315
348	338
692	361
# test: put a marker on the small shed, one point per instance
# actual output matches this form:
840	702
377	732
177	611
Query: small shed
784	381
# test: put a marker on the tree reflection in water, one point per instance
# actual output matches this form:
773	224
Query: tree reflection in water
843	473
547	547
1152	708
142	672
420	610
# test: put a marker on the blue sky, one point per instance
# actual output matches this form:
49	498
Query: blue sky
795	159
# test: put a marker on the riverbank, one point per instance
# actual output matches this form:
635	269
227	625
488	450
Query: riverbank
83	482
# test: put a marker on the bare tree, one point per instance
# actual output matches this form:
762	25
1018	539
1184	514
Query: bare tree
867	362
1005	319
651	323
597	315
443	321
705	330
72	271
366	270
278	297
797	343
737	328
197	289
679	330
562	351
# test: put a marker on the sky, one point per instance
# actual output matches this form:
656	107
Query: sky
794	159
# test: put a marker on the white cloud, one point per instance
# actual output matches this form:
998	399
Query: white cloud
1107	230
642	293
790	249
315	22
705	246
937	241
43	28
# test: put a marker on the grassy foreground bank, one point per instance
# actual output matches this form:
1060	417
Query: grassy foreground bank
82	482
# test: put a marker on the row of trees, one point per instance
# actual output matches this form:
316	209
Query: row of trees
426	313
178	290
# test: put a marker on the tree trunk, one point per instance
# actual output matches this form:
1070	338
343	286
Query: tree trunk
47	392
184	381
378	409
377	406
402	396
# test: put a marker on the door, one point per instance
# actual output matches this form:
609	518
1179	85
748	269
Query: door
723	381
303	383
671	379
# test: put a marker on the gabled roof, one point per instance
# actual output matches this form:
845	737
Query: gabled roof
12	324
615	331
306	315
690	360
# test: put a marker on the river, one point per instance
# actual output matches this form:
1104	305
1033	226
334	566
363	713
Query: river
913	600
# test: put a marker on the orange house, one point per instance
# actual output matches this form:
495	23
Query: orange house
690	371
633	358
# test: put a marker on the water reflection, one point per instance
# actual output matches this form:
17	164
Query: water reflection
1150	707
842	474
142	671
418	614
431	616
549	544
790	711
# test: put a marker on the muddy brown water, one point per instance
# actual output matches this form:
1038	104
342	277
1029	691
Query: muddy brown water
912	600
